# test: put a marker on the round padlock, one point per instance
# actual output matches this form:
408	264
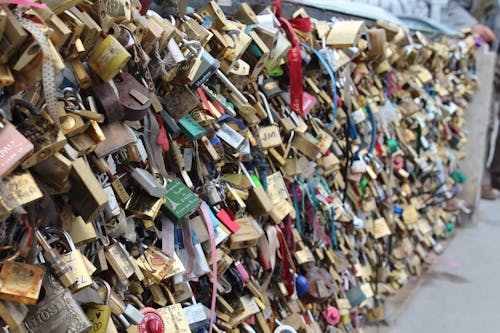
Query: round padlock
331	315
152	322
301	285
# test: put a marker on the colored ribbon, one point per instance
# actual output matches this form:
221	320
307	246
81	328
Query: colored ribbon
48	70
213	249
189	246
298	224
294	63
288	270
329	70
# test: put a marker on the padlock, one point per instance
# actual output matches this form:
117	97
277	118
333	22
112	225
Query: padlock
21	282
197	316
73	258
152	320
190	128
202	66
39	129
56	311
144	206
156	264
13	37
100	314
112	209
230	137
108	58
116	303
258	202
180	201
133	96
23	188
86	194
60	268
149	183
119	261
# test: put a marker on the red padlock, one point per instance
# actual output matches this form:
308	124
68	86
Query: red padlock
152	322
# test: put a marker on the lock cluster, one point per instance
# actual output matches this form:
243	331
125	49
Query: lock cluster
168	169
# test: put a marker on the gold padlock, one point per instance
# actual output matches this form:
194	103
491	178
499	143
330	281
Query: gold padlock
21	282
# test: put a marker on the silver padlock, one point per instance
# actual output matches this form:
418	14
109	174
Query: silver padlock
232	138
133	314
205	65
149	183
56	311
112	208
197	315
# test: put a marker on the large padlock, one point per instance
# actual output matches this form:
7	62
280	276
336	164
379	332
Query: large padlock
58	266
134	97
56	311
73	258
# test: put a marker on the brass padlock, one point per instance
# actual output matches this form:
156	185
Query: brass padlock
59	267
258	202
73	258
86	194
108	58
100	314
20	282
119	261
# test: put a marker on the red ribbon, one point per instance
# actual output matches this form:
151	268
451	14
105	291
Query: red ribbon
301	23
316	225
294	60
286	228
288	270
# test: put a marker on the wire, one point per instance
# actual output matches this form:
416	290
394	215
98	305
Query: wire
332	78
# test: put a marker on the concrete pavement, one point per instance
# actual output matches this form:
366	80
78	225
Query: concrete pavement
461	293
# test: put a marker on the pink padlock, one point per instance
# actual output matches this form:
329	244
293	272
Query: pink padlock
331	315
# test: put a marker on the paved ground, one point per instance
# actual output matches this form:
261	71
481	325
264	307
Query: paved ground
461	293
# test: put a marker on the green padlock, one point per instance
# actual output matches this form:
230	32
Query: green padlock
190	128
100	314
180	201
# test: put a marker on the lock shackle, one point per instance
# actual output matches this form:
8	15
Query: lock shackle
63	236
194	46
19	116
134	300
168	293
102	282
